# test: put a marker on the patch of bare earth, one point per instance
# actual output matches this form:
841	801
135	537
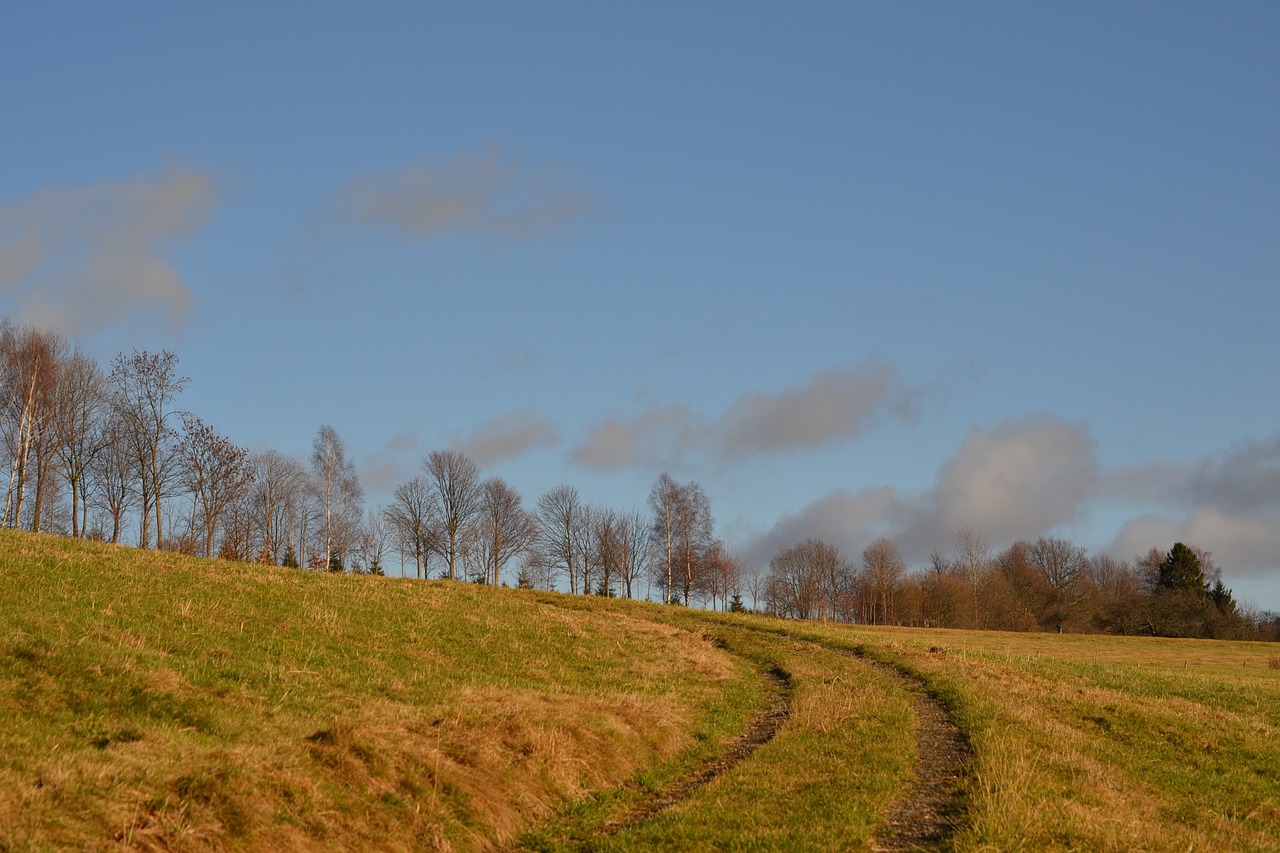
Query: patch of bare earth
762	730
931	812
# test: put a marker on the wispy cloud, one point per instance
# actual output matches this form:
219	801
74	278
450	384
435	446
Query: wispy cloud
480	195
507	437
82	259
391	464
831	407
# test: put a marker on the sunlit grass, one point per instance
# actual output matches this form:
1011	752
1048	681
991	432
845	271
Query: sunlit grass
159	701
1106	743
151	696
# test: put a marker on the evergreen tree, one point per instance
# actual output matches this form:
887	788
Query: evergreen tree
1181	571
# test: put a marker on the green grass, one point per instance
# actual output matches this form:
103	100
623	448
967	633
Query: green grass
152	698
157	701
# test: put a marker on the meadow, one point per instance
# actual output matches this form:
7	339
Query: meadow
150	700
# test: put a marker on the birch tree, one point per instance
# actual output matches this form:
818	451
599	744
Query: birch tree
338	488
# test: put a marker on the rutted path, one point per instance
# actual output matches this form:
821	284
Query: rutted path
931	812
761	731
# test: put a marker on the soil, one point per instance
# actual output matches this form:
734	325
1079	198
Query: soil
931	812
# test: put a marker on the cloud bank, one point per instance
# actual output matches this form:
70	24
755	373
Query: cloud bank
831	407
1017	480
1228	503
1025	478
82	259
470	195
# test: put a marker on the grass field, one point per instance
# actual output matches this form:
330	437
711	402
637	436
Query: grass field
154	701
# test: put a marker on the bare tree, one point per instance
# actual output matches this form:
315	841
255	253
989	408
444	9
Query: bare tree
371	546
278	491
882	572
632	535
216	471
410	518
455	487
805	579
584	542
558	516
145	386
1064	568
30	361
694	527
503	528
338	488
79	412
664	498
114	475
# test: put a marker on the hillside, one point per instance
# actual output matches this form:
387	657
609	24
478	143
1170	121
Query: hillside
154	701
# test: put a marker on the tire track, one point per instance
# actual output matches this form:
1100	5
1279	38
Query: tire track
762	730
933	810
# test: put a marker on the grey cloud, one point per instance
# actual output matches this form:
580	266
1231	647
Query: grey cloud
1018	480
1242	479
391	464
469	195
834	405
657	438
831	407
507	437
1228	503
1241	543
84	258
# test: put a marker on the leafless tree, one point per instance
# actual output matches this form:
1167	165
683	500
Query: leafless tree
454	481
632	535
1064	567
278	491
664	498
503	529
806	579
694	526
410	518
145	386
559	515
338	488
79	414
216	471
584	543
30	363
371	546
882	572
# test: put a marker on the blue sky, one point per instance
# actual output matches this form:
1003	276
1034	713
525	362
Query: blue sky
859	268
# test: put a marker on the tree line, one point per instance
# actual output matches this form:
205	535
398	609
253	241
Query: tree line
109	454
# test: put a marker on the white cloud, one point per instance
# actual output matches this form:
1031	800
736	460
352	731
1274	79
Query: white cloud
1018	480
470	195
82	259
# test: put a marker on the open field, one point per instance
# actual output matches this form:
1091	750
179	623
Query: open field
154	701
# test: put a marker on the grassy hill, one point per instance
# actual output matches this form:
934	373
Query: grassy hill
154	701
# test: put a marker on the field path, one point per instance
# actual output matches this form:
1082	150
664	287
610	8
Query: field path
933	809
761	731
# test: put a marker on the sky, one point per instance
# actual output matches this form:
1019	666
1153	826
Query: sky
858	268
